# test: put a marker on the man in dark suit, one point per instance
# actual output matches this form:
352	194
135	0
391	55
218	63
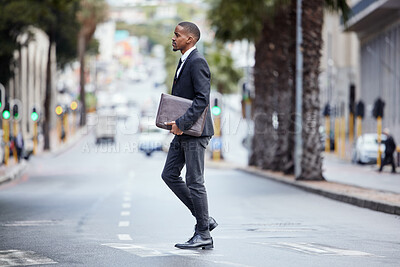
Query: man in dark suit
192	81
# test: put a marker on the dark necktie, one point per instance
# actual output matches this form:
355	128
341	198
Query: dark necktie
177	68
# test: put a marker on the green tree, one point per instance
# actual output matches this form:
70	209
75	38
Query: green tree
270	24
55	17
91	13
58	19
225	76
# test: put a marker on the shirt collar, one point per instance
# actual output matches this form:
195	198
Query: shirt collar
187	53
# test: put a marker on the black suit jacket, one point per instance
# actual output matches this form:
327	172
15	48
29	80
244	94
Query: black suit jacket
193	83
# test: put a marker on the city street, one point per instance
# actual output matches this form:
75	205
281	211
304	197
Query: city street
107	206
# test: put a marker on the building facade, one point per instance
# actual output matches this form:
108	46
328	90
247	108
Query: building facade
377	25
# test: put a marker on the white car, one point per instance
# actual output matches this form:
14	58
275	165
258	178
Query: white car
152	138
366	148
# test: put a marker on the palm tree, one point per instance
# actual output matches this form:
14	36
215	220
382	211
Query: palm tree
271	25
90	14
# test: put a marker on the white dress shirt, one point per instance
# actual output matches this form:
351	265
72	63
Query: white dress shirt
183	58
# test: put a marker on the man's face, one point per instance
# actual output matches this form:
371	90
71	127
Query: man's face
181	39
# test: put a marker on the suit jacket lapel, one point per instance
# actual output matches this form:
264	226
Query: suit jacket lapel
185	64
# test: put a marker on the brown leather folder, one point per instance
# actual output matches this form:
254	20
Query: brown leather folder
172	107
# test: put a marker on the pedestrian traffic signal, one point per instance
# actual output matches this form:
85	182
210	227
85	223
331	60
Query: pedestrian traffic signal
6	112
34	115
378	108
15	112
59	110
74	105
216	110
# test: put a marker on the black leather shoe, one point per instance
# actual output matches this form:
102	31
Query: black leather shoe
212	224
197	242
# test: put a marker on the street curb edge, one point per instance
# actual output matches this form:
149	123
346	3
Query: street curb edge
356	201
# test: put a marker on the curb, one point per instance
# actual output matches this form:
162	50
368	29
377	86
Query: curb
13	173
381	201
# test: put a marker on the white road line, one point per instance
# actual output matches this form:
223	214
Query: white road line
125	213
123	224
22	258
126	205
127	199
30	223
312	248
127	193
140	251
124	237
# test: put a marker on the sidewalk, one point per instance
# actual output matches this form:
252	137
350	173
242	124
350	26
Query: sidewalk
15	171
357	185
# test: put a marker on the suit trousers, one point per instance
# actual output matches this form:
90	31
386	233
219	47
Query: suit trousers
190	151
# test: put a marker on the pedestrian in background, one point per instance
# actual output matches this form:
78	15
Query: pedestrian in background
192	81
390	147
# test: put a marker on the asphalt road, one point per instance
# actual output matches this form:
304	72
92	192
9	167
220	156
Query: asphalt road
107	206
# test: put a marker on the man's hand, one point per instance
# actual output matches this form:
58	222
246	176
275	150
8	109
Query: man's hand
175	130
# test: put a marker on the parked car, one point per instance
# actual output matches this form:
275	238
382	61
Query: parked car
366	148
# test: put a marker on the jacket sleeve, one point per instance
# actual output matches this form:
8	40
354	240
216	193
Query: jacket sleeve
200	75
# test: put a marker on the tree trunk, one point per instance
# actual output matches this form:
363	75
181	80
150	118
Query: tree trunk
283	107
47	101
274	90
312	21
81	53
263	140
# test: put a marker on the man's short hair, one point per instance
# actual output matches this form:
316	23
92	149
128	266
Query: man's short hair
191	28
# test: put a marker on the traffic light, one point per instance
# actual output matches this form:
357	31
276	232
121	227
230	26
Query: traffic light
34	115
360	109
327	110
6	112
216	110
74	105
378	108
15	112
59	110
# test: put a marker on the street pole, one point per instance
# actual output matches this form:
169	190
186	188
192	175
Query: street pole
299	94
15	133
35	141
379	130
6	139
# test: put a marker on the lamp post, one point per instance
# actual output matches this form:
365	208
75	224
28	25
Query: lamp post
299	94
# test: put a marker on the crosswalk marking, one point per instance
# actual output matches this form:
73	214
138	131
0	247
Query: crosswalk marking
124	237
22	258
138	250
127	199
123	224
126	205
312	248
125	213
